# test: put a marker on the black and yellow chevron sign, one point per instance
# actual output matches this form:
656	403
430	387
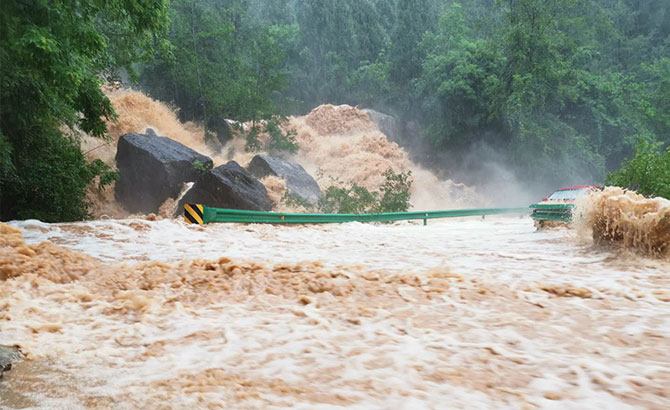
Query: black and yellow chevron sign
193	213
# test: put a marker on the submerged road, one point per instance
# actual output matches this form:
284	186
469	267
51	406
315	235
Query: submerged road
464	313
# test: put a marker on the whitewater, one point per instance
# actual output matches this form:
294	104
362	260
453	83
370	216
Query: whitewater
142	311
471	313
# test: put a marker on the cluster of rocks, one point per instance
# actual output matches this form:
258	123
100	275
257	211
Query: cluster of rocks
154	168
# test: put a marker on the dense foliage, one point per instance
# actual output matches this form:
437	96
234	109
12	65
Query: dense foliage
561	91
53	55
280	139
558	91
647	173
393	196
220	64
53	180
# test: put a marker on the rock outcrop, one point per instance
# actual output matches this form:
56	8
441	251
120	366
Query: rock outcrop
386	123
298	181
220	128
153	169
217	134
227	186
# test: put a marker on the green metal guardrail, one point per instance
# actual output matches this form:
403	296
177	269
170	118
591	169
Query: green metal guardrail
200	214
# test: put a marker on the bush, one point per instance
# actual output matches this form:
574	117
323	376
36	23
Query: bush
393	196
49	180
647	173
354	199
395	193
278	140
253	144
202	168
292	200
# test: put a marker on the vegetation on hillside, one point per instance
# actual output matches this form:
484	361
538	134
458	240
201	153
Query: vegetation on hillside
562	91
220	63
280	137
54	55
647	173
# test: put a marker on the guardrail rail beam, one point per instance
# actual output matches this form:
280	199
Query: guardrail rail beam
200	214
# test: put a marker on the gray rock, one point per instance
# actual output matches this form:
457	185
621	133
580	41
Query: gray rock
217	134
228	186
221	129
153	169
8	355
298	181
386	123
150	132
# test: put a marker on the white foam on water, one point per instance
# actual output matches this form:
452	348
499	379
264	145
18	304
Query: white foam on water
517	318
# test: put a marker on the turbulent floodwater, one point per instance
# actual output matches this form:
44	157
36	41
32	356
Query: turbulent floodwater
463	313
338	145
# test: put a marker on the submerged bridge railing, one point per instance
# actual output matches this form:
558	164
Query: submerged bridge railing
201	214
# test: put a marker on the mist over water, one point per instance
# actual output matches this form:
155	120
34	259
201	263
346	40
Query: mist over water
488	171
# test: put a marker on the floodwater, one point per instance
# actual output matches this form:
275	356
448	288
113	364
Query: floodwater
463	313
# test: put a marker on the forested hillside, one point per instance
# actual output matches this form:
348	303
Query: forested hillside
561	90
54	56
557	91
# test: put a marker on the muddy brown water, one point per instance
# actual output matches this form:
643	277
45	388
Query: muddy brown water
474	313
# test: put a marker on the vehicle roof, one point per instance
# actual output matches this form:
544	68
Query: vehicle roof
579	187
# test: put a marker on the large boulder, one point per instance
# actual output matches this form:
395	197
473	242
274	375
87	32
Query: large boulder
228	186
386	123
298	181
153	169
8	355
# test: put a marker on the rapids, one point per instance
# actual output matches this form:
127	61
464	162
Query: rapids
338	145
463	313
145	312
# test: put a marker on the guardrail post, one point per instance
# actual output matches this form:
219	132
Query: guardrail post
194	214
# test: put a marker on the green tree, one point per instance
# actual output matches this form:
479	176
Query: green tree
221	65
335	53
460	75
52	56
414	18
647	173
570	114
